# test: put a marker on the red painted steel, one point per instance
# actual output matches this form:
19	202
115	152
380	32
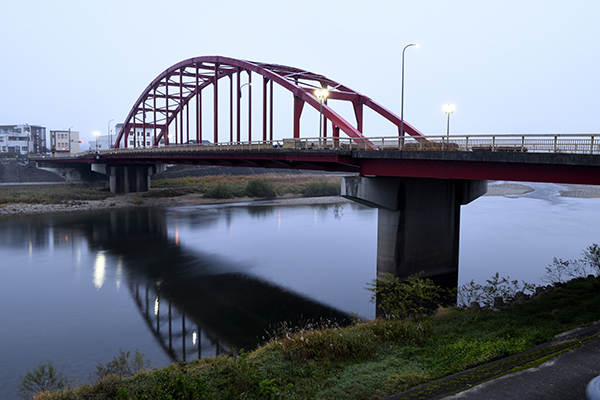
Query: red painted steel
190	77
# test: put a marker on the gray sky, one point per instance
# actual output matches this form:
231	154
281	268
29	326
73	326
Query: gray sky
511	66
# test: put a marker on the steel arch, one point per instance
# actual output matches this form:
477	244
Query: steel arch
157	108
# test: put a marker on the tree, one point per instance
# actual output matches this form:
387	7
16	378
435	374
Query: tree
44	377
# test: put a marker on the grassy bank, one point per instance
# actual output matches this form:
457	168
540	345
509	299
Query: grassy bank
51	194
367	360
231	186
212	186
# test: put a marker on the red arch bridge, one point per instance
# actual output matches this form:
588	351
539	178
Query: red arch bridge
223	111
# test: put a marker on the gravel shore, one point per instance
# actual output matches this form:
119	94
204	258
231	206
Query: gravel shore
135	200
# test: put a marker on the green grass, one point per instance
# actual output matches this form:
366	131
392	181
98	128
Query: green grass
231	186
370	360
51	194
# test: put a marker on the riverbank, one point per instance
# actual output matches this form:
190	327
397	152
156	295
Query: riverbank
413	358
136	200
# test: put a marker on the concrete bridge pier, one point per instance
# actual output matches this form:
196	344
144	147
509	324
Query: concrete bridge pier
418	222
130	178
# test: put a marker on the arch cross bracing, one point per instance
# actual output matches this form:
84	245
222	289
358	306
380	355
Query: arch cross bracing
165	105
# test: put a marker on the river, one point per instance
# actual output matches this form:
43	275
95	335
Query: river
189	282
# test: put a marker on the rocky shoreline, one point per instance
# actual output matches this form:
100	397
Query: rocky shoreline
136	200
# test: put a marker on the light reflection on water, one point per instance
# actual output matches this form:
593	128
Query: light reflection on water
172	283
76	288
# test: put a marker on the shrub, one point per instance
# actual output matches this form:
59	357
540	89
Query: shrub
415	297
321	188
495	287
122	366
328	341
561	270
44	377
220	191
260	188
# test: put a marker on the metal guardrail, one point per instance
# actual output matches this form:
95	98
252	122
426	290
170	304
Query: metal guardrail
571	143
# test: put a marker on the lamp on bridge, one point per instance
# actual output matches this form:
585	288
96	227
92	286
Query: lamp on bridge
110	133
416	45
96	134
321	95
448	109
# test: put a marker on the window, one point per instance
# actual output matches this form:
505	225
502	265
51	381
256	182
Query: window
131	142
147	133
24	149
147	143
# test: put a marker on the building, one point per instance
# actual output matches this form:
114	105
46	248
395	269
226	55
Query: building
102	142
141	139
64	142
20	140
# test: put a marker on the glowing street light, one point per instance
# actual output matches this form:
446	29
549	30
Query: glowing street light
448	109
321	95
416	45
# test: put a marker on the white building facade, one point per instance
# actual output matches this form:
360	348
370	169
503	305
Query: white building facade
140	138
20	140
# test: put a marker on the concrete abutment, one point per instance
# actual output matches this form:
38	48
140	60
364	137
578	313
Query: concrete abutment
418	224
130	178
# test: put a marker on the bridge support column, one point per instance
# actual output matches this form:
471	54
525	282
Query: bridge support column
418	222
128	179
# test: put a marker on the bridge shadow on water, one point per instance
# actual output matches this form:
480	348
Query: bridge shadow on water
195	303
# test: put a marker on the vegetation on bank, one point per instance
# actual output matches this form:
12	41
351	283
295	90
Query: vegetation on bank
50	194
212	186
231	186
370	360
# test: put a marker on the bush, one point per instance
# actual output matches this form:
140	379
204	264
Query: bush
321	188
44	377
495	287
260	188
561	270
415	297
327	341
220	191
122	366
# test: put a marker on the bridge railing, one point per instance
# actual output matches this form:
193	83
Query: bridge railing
533	143
573	143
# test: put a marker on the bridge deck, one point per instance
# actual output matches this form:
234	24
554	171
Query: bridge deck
573	158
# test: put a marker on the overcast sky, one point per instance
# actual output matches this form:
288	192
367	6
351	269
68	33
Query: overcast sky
511	66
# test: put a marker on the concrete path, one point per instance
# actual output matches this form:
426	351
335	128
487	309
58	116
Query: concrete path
563	377
568	364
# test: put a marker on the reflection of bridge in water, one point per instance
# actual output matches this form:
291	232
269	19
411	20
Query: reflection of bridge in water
181	338
195	303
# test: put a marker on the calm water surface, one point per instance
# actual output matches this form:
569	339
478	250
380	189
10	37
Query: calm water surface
198	281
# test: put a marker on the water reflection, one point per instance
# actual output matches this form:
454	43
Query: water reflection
195	303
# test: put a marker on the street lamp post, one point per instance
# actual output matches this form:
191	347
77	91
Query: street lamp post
321	95
70	137
402	90
110	132
96	134
448	109
28	132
